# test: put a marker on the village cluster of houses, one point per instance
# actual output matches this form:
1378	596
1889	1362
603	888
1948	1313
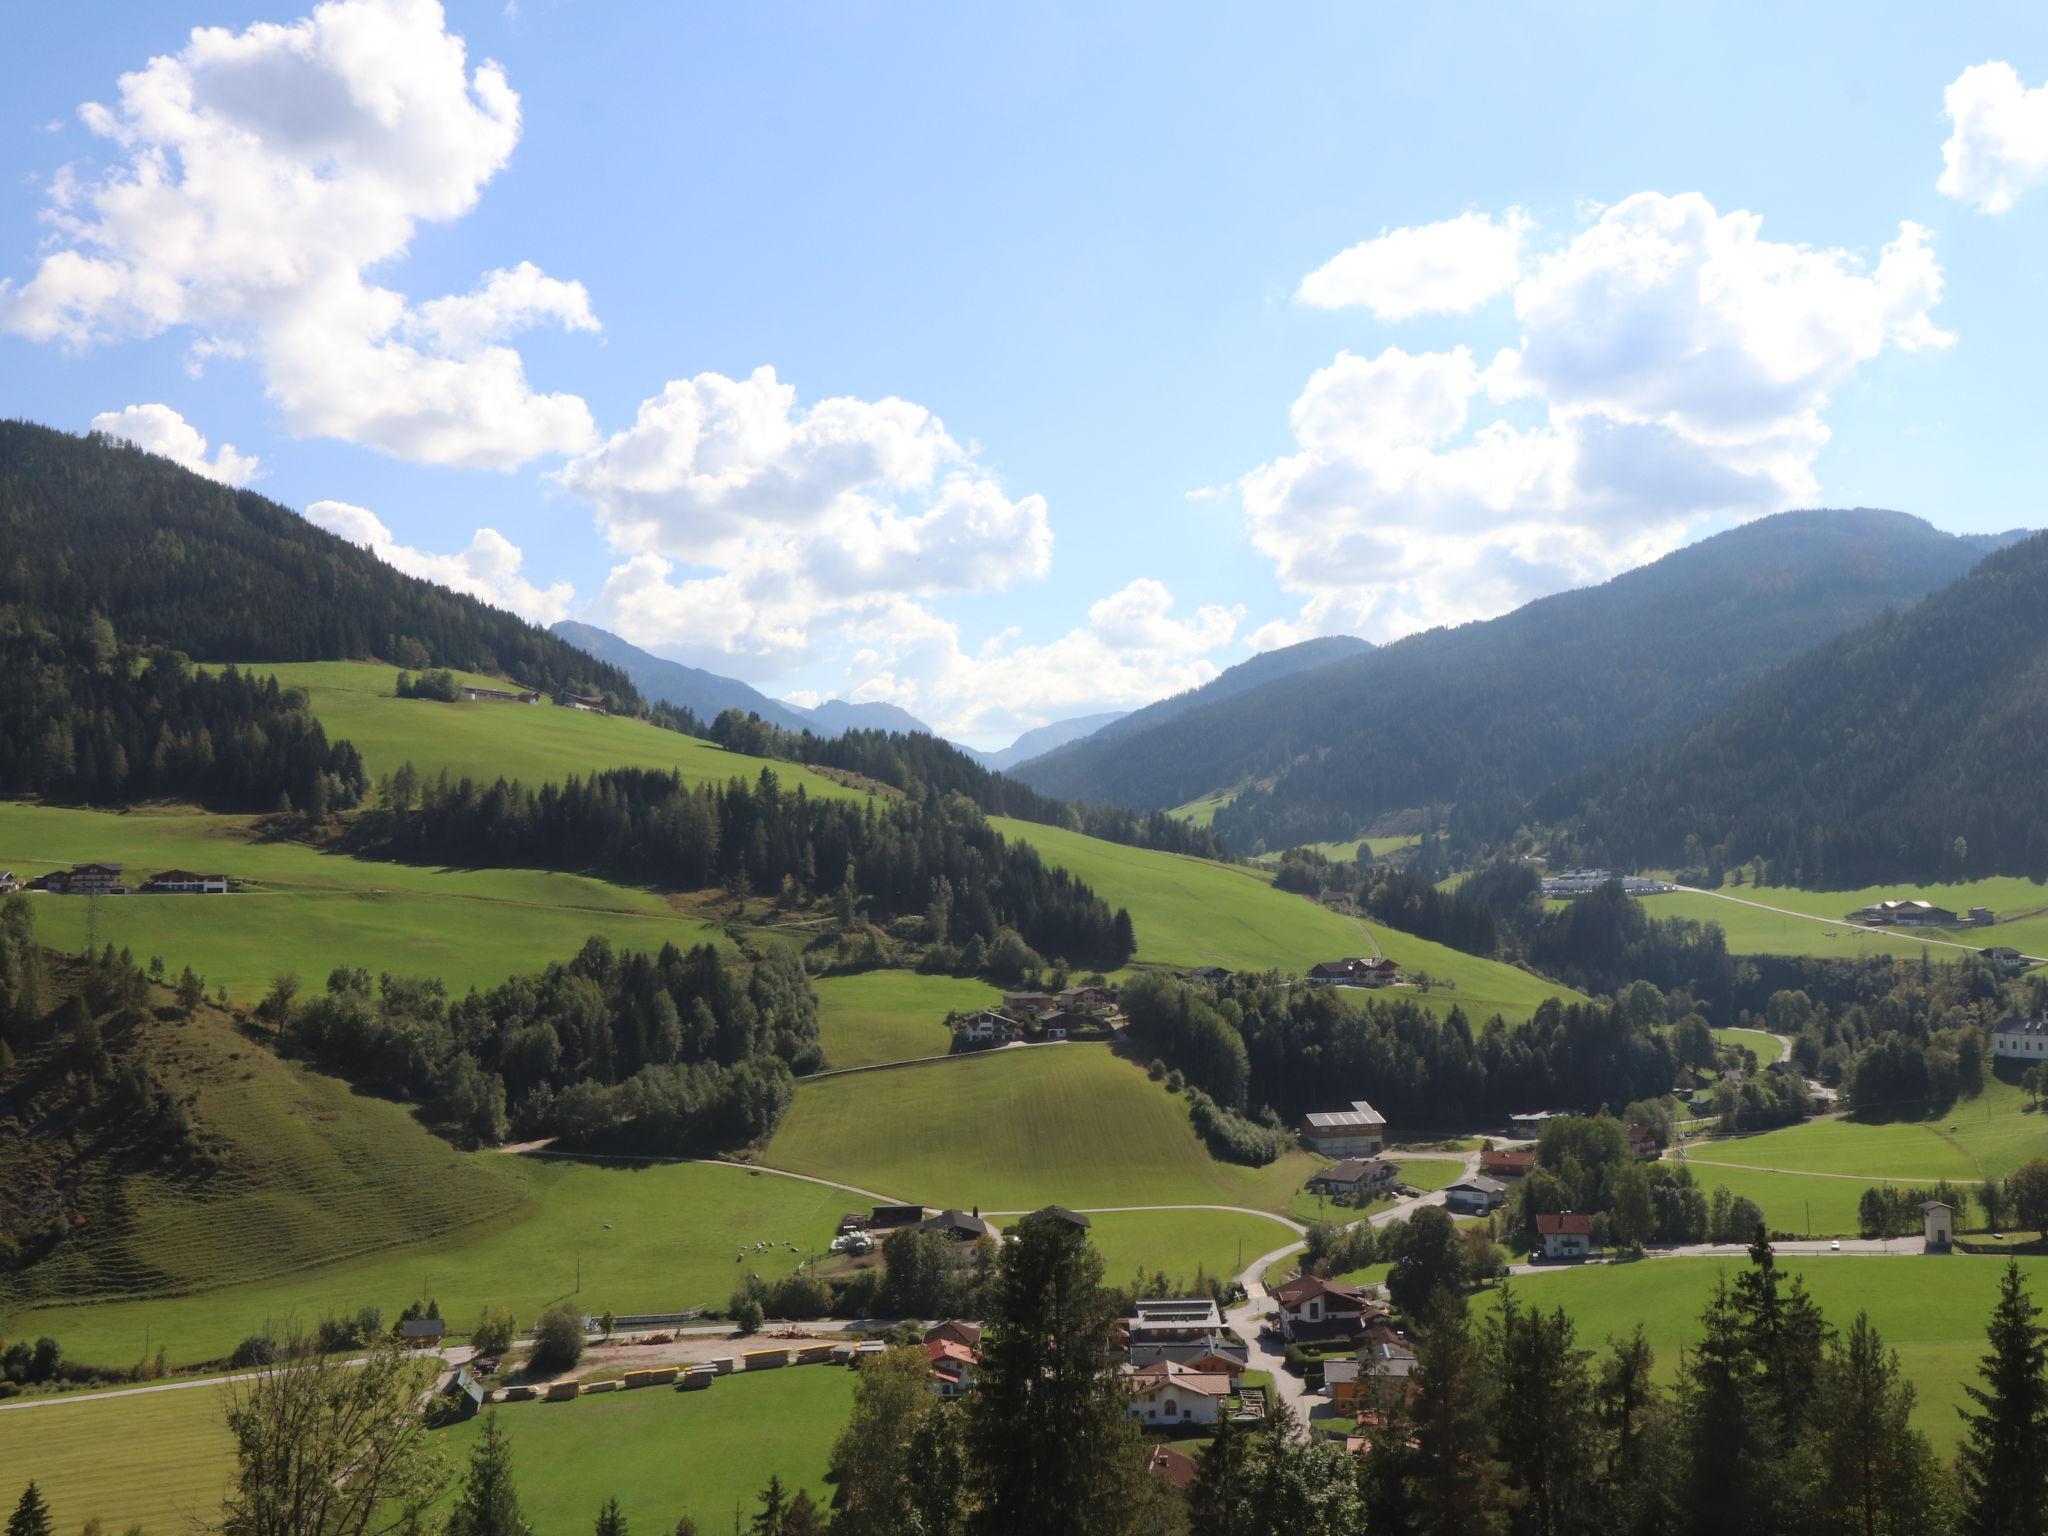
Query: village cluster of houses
1569	883
1069	1014
589	703
109	880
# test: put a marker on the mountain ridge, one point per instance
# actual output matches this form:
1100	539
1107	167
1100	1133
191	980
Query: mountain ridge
1498	709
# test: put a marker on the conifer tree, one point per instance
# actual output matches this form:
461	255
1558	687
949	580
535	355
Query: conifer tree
611	1521
1876	1472
1545	1416
1456	1487
1047	1435
2004	1457
1218	1488
31	1515
488	1504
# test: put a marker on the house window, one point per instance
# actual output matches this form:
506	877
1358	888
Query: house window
1172	1408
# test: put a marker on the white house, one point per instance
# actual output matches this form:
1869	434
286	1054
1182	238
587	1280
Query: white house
1181	1320
1168	1393
2020	1039
1315	1308
987	1028
1568	1235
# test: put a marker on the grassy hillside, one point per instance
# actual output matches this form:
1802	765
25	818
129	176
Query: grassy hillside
878	1016
488	741
313	911
162	1460
1012	1130
1192	912
1179	1243
1932	1310
2020	904
1202	812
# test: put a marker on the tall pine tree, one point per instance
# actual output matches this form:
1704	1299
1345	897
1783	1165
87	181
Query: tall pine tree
488	1504
2004	1457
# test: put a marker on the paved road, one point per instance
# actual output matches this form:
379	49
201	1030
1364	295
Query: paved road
452	1355
1248	1315
1798	1248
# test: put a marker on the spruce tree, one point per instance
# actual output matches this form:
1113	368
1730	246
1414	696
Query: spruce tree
610	1520
1218	1489
1046	1429
1544	1423
2004	1457
488	1504
774	1505
1456	1484
31	1515
1876	1474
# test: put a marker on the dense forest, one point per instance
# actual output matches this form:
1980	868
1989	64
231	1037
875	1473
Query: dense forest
1268	1043
1909	747
95	525
1489	713
896	856
84	718
901	759
670	1053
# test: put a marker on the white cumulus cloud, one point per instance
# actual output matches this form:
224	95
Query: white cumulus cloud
792	518
1132	649
1997	145
1444	268
1673	369
159	429
257	178
489	569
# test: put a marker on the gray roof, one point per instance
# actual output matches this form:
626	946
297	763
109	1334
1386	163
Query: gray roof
1480	1183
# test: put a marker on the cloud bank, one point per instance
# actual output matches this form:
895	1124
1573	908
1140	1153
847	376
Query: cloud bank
1672	370
257	178
159	429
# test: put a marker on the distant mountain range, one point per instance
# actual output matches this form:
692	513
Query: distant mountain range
1487	714
1913	745
705	694
1044	738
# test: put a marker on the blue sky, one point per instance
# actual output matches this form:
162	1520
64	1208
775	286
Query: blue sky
1075	236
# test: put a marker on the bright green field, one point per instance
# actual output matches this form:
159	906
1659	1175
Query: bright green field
1012	1130
159	1461
653	1239
878	1016
1192	912
488	741
664	1453
1178	1243
2021	906
1932	1310
163	1459
1804	1203
314	911
1202	812
1988	1136
1347	853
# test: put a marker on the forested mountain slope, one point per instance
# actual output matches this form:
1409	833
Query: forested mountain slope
1266	667
1912	746
1488	713
95	525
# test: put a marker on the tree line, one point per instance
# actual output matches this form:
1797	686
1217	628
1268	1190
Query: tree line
901	759
670	1053
894	855
90	720
1269	1041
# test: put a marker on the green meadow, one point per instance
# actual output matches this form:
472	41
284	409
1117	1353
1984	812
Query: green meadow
1931	1309
1014	1129
487	741
163	1460
2021	906
159	1461
880	1016
309	911
1191	912
1347	853
1202	812
1765	1045
664	1454
1181	1243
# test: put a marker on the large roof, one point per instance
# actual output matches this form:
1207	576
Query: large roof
1361	1116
